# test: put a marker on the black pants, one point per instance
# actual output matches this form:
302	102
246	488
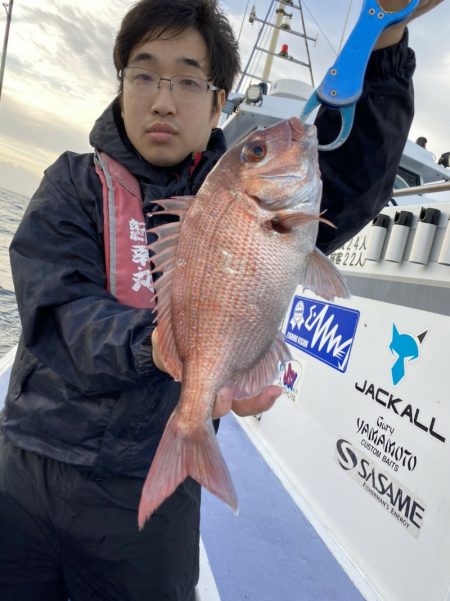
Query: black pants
65	536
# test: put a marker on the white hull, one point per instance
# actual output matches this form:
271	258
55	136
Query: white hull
365	450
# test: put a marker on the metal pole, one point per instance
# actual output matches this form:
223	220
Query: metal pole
273	42
8	8
306	45
436	187
247	66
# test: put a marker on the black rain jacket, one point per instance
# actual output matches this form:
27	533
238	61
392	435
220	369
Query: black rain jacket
83	388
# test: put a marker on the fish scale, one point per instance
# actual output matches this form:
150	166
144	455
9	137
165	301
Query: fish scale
243	245
222	288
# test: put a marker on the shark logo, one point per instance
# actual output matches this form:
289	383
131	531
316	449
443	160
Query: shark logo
406	348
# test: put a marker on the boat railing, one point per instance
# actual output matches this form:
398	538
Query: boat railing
443	186
6	363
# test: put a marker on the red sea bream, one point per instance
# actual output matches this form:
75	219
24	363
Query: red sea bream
230	268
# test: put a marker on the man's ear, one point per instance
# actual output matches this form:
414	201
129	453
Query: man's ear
218	106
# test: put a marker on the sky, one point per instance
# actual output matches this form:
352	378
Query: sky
60	76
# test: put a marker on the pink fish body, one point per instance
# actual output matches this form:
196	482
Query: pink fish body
231	266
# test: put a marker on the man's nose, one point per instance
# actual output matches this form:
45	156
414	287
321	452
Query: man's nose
162	100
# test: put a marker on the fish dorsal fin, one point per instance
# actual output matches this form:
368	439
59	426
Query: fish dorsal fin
263	373
323	278
174	203
163	259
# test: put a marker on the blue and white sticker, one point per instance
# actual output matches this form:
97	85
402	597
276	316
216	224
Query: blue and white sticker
322	330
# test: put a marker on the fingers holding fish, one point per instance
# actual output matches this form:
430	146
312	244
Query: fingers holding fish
392	35
156	355
397	5
245	407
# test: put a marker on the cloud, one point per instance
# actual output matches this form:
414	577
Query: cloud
59	77
60	74
30	140
18	179
31	127
60	47
431	79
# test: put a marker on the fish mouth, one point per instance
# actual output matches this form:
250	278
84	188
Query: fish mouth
301	132
297	129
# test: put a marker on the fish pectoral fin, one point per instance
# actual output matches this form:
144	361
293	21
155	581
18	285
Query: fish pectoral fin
263	373
285	222
180	455
323	278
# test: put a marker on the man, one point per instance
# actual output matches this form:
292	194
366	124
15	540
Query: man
422	141
87	404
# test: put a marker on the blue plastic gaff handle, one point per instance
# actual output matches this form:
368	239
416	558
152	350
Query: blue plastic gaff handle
342	85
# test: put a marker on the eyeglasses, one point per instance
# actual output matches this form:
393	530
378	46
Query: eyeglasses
183	87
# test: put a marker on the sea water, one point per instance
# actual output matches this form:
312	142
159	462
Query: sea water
12	207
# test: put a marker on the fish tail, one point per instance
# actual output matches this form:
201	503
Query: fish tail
179	455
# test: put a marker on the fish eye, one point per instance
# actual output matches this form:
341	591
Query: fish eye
254	152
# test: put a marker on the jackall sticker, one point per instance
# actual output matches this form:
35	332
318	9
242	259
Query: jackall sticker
400	503
401	407
322	330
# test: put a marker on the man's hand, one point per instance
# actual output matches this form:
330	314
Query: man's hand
251	405
393	35
157	359
224	401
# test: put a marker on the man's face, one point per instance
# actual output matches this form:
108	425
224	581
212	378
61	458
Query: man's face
162	128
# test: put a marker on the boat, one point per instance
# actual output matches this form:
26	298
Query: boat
343	483
360	436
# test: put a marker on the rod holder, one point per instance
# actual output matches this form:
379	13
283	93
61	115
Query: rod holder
444	255
399	235
377	236
425	233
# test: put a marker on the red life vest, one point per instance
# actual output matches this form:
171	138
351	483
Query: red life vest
127	260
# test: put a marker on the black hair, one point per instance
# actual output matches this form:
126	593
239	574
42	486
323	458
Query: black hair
149	19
